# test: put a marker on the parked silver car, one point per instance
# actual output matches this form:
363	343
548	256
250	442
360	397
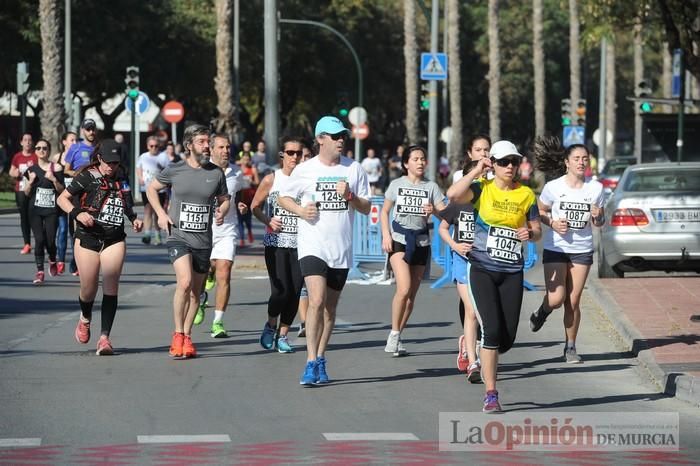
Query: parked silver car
652	221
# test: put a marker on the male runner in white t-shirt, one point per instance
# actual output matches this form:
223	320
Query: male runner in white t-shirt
331	188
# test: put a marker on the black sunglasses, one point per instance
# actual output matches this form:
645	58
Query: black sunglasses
41	148
338	136
294	153
515	161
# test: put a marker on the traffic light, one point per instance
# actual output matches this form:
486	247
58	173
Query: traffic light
566	112
132	82
644	90
425	96
22	78
581	112
343	104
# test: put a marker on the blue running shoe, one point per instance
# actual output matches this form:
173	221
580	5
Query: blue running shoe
267	339
283	345
322	374
310	375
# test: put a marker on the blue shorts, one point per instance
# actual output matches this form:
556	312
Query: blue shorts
460	268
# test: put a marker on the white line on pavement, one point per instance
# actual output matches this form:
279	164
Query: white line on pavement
370	436
183	438
19	442
255	277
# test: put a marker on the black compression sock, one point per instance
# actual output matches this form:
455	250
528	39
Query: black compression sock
109	310
86	308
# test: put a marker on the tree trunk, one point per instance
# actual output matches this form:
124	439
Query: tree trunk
611	98
638	77
538	65
53	115
410	55
454	83
574	53
494	75
223	82
666	76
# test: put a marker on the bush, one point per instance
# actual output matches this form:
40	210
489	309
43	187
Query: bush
7	183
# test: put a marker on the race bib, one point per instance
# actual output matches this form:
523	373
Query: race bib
67	181
327	199
194	217
503	245
45	197
411	201
576	214
112	212
288	219
465	227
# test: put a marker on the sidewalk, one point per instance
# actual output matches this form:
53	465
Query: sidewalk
652	315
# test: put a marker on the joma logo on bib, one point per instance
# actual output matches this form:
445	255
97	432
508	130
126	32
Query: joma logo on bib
503	245
112	212
411	201
45	198
465	227
194	217
577	214
330	199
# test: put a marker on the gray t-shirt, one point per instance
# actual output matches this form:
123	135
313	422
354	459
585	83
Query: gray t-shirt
409	200
191	205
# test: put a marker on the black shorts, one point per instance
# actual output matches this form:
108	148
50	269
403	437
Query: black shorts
95	243
421	255
200	257
312	265
162	197
558	257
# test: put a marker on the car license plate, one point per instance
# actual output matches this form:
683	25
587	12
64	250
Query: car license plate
677	215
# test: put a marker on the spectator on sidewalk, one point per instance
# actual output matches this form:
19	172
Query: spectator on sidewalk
21	162
373	167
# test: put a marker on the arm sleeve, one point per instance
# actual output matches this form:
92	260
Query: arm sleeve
533	213
70	155
14	161
546	195
448	213
294	186
476	189
362	183
222	189
79	183
436	194
390	192
600	200
165	176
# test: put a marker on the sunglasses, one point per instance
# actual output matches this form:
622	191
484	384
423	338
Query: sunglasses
515	161
41	148
294	153
338	136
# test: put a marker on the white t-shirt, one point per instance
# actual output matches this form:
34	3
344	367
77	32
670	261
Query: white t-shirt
150	166
575	206
329	237
373	167
234	183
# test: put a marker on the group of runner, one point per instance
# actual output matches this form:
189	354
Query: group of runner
308	208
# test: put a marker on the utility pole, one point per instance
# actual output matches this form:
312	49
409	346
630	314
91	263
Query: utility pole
271	79
432	111
602	128
67	90
236	68
681	109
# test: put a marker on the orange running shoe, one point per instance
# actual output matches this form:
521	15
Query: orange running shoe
26	249
188	350
176	345
104	346
82	331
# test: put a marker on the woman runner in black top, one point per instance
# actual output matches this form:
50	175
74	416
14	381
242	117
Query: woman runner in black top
44	185
105	198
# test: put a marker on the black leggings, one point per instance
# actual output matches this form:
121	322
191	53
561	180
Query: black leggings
285	283
44	228
498	297
22	201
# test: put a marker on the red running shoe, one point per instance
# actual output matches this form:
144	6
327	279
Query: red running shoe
462	359
104	346
250	237
39	278
176	345
82	331
53	269
60	267
26	249
188	350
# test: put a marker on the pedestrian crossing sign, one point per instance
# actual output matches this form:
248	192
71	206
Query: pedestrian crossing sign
433	66
574	135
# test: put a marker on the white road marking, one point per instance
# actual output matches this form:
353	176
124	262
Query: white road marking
19	442
370	436
214	438
255	277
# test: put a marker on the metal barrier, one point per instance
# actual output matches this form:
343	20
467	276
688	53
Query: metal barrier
367	239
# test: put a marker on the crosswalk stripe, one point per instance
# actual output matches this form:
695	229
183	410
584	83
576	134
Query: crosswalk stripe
370	436
214	438
19	442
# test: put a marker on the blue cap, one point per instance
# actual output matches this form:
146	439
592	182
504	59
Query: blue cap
330	125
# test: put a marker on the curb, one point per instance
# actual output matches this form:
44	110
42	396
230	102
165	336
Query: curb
8	210
679	385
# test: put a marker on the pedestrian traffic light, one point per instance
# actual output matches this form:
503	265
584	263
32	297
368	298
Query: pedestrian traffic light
581	112
22	78
566	112
644	90
343	104
425	96
132	82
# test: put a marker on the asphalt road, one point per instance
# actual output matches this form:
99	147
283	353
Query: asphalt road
60	404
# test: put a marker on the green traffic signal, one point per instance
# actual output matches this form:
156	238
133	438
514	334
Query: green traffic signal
646	107
343	112
133	94
565	121
425	104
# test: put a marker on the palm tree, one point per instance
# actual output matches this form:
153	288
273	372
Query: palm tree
494	75
638	76
410	55
574	53
538	64
223	82
455	82
52	115
610	97
666	76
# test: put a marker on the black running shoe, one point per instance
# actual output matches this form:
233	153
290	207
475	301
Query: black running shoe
537	319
